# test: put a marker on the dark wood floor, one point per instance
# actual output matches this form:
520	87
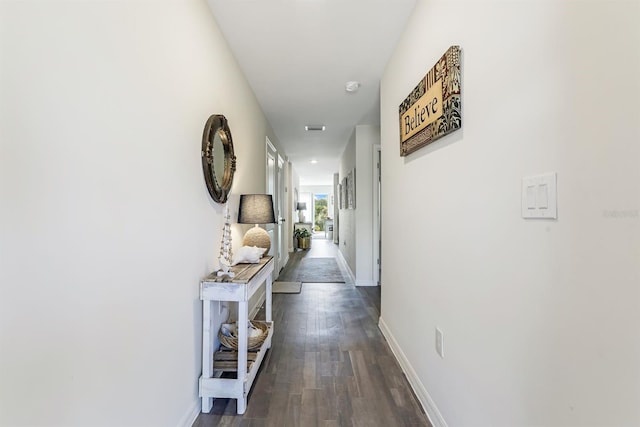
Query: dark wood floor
328	366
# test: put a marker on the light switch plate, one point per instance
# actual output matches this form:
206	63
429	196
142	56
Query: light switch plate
539	196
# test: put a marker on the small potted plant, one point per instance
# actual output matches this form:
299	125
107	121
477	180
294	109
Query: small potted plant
304	238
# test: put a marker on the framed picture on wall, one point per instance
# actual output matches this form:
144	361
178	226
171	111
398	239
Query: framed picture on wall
434	108
351	189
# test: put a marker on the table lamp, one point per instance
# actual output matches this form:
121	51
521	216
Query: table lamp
256	209
301	206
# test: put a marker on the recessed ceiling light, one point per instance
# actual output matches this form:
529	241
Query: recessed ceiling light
314	161
310	128
352	86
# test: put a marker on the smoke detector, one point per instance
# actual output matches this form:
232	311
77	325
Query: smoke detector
352	86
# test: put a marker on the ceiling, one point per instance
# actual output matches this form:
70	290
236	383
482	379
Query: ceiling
297	56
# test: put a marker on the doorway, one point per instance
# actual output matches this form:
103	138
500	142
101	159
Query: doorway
275	187
280	211
320	214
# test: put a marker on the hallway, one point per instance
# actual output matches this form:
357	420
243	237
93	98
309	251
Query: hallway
320	248
329	364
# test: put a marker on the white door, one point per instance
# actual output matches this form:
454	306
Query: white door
280	211
273	230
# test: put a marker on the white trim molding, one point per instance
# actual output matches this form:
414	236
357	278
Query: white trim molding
376	182
190	416
345	266
286	260
429	406
365	283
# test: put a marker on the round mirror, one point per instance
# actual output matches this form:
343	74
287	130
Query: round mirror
218	155
218	160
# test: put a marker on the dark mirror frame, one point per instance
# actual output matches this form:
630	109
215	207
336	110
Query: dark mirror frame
217	124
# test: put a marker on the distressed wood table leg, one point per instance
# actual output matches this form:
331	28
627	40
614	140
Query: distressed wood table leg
269	291
243	324
207	351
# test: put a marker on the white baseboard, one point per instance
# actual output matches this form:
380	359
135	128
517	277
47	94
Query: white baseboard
419	389
365	283
286	260
357	282
190	417
344	264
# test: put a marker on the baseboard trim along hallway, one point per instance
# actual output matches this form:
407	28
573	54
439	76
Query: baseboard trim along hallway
343	263
419	389
190	416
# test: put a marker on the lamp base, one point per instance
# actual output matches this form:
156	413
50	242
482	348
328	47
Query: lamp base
301	217
257	236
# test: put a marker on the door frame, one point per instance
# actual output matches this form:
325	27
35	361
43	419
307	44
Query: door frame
276	186
281	214
377	214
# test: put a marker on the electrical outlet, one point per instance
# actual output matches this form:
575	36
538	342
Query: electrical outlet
439	343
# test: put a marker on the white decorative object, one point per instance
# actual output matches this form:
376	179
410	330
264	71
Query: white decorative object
226	253
231	330
248	254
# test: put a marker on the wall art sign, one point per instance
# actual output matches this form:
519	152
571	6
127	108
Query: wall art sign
343	193
351	189
434	108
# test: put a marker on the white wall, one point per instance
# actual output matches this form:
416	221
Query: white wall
319	189
366	138
106	226
290	208
295	185
541	318
336	207
356	225
347	229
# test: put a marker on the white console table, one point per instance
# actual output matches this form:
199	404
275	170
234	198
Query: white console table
248	279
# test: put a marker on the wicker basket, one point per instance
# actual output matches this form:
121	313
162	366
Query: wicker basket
253	342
